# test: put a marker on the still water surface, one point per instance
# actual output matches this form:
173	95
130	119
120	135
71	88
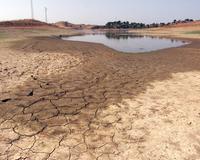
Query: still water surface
129	43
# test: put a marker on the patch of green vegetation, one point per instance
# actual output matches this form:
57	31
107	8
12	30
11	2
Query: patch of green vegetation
30	30
193	32
3	35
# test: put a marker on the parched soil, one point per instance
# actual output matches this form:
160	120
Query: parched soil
104	105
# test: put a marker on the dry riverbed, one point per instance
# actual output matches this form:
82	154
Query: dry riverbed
72	100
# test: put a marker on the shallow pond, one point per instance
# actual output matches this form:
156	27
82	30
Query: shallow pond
128	42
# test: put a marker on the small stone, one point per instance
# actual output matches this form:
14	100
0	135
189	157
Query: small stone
30	94
34	78
6	100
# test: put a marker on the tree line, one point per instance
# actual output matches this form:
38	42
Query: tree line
134	25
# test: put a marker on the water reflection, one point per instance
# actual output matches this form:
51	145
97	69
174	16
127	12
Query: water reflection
126	35
126	42
112	35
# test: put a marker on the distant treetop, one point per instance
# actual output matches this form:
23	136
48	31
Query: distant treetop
134	25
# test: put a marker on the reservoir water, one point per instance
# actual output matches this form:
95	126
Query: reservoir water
129	43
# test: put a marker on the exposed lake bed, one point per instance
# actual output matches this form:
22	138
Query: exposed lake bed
63	94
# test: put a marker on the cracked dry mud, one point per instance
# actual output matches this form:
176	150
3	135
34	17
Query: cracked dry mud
110	106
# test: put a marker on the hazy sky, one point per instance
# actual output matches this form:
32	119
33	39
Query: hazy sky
102	11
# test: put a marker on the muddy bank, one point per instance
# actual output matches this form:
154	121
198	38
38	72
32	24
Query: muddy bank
109	106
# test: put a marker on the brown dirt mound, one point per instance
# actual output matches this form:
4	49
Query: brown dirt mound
188	24
24	23
64	24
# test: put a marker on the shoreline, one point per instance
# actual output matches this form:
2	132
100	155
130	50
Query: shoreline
105	104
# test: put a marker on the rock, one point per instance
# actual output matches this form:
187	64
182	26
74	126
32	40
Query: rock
31	93
6	100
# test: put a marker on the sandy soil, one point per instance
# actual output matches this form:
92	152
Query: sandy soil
188	31
71	100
